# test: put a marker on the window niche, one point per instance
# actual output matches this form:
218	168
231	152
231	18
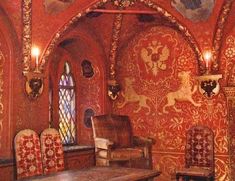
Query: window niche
67	108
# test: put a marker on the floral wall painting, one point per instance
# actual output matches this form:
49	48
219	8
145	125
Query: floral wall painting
157	72
195	10
56	6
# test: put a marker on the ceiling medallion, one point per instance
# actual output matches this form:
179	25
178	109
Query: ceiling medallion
123	3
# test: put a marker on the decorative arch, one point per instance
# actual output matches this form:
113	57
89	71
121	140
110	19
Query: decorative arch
27	31
219	32
150	4
9	53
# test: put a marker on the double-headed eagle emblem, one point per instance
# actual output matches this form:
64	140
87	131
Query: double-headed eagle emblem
155	56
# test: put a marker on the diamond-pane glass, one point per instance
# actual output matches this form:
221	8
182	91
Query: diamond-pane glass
67	111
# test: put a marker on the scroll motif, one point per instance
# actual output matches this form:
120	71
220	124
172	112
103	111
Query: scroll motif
219	33
27	36
123	3
230	55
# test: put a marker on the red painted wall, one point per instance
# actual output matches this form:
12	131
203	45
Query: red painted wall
160	93
151	83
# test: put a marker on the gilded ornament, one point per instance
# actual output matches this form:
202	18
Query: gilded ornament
219	33
113	86
230	95
27	4
123	3
155	56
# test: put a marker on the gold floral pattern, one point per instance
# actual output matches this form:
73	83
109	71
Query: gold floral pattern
123	3
28	154
217	42
52	151
168	128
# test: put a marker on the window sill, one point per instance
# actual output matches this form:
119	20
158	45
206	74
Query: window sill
77	148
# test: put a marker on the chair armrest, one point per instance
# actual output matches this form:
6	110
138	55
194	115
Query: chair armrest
103	143
143	141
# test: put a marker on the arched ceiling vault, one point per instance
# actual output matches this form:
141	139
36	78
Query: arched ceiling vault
92	5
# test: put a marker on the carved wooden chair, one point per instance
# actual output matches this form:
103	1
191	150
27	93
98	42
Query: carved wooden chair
115	144
199	155
52	151
27	154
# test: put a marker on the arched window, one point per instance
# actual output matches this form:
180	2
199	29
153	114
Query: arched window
67	108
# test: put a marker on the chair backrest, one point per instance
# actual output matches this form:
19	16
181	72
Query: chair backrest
28	154
116	128
52	151
200	147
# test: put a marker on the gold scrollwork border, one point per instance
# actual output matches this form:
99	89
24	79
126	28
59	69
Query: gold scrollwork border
114	44
27	34
230	96
217	40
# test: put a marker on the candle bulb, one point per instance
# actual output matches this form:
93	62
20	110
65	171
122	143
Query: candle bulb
35	53
207	63
207	58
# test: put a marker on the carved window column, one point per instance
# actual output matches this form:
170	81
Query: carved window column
230	95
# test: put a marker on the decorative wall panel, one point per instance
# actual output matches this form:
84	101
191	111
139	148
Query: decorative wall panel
160	93
227	66
227	58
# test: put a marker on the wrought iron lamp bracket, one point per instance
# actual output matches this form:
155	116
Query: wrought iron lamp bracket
34	84
209	84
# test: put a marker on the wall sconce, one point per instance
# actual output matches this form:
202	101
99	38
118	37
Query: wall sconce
113	89
209	83
34	78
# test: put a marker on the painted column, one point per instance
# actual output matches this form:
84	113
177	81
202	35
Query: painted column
230	95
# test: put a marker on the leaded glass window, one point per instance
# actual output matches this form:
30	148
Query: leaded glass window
67	108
